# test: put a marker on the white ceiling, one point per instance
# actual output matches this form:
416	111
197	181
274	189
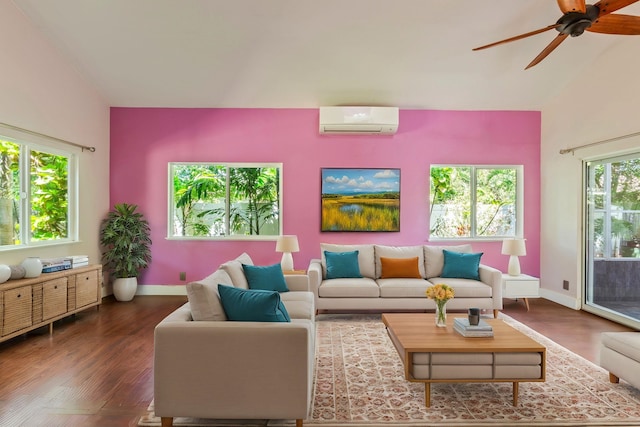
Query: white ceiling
308	53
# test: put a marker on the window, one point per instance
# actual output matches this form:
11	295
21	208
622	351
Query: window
225	201
37	194
475	202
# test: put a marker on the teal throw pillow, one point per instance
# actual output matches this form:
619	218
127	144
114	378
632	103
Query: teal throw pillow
461	265
342	265
267	278
252	305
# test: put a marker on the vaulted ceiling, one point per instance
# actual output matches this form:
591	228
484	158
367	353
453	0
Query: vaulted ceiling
305	53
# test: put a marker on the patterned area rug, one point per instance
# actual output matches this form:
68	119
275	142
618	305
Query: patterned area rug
359	381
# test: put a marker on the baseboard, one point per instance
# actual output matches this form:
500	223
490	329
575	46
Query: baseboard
566	300
161	290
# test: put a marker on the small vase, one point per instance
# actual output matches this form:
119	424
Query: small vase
441	314
32	267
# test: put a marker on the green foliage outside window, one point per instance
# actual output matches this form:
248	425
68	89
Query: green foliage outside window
225	200
473	201
46	206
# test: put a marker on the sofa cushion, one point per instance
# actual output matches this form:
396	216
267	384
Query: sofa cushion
267	278
399	267
462	266
299	305
349	288
465	288
252	305
342	265
366	260
399	252
434	258
235	271
204	299
403	288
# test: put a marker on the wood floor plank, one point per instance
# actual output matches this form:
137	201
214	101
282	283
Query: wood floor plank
96	369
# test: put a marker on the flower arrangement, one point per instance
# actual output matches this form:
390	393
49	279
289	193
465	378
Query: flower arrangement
440	293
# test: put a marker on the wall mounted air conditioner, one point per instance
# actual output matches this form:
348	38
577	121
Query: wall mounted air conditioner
359	120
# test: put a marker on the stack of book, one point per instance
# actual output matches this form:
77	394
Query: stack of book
482	329
50	265
79	261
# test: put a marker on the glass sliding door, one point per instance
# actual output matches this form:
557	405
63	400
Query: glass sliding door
612	238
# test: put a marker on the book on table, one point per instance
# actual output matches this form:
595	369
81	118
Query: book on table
482	329
463	322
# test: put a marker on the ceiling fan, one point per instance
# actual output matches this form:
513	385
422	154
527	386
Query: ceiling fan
578	17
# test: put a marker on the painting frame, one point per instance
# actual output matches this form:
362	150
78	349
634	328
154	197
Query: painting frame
360	200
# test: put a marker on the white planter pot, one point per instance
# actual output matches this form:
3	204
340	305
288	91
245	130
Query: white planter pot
125	289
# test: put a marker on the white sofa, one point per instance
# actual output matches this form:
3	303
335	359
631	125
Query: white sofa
372	292
231	369
620	355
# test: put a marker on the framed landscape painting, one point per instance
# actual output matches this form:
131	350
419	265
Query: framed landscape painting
360	199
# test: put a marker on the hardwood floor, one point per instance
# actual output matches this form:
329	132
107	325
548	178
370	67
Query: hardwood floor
96	369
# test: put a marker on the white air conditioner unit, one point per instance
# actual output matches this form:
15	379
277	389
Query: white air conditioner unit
359	120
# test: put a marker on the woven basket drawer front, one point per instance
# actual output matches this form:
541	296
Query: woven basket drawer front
17	309
86	288
54	298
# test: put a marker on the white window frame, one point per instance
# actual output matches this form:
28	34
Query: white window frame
26	146
171	202
519	229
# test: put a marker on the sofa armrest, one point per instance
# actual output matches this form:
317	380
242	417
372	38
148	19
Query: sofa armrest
230	369
492	277
315	275
297	282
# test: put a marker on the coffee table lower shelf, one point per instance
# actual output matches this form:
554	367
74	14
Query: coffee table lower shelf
441	355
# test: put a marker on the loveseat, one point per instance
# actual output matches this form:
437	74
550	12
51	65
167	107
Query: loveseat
396	278
207	366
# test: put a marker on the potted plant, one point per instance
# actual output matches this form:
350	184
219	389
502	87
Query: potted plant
126	242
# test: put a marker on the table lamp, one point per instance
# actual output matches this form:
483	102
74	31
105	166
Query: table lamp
514	248
286	245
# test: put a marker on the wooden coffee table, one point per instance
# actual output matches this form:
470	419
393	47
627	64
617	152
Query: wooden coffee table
433	355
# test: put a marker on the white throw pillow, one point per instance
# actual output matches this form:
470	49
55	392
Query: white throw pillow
204	299
235	271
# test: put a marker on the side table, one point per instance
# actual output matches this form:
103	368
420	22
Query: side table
521	286
302	272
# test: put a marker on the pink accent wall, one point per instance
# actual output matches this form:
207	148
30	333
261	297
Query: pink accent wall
145	140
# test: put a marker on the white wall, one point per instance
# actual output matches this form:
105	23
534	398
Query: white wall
42	92
603	102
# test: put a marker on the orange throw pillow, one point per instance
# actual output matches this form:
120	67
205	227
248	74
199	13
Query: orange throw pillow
399	267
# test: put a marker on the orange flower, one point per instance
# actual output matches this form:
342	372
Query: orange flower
440	292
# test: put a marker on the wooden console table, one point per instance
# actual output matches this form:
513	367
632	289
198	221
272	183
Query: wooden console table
28	304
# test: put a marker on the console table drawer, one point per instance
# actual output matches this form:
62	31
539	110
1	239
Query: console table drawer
17	309
54	298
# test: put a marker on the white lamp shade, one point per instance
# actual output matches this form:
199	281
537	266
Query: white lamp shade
287	244
515	247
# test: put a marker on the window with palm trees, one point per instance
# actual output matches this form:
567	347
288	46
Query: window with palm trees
225	200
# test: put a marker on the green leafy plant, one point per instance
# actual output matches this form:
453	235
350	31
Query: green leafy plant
126	242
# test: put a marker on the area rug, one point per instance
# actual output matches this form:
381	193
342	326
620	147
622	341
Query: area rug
359	381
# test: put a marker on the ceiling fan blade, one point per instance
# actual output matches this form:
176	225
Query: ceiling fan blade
572	6
609	6
547	50
617	24
521	36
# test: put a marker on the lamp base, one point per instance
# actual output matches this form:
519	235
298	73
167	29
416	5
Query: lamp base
287	261
514	266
